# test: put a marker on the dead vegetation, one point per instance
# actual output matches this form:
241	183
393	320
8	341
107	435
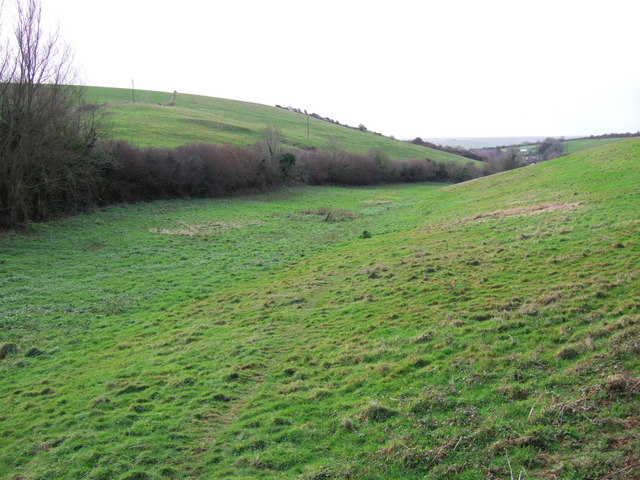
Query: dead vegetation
595	397
423	337
332	215
190	230
374	272
375	203
530	210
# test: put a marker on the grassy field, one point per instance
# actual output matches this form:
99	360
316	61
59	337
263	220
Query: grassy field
488	329
194	118
576	146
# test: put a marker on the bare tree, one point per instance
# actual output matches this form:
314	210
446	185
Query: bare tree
271	144
335	146
45	136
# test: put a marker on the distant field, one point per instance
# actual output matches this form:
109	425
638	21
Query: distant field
196	118
575	146
487	329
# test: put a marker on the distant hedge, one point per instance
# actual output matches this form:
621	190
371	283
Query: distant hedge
208	170
131	174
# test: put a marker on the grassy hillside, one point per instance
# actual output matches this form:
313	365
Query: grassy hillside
196	118
483	330
580	145
576	146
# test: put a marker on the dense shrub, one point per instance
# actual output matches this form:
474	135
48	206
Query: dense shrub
206	170
550	148
414	171
355	169
498	160
320	168
314	167
198	170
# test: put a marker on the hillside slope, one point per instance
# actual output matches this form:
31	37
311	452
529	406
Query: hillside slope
580	145
195	118
483	330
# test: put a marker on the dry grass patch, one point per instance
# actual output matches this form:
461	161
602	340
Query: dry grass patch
375	271
188	230
374	203
94	246
530	210
423	337
332	215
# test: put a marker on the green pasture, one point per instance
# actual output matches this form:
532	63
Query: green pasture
150	123
576	146
487	329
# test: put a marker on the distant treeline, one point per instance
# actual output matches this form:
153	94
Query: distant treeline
610	135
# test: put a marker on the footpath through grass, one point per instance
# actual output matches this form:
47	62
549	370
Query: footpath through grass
482	330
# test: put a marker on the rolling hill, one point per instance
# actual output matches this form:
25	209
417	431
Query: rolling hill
487	329
150	123
580	145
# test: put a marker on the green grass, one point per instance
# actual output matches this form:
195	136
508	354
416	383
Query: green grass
194	118
485	329
576	146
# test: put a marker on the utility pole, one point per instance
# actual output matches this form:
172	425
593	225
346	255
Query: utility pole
307	126
133	93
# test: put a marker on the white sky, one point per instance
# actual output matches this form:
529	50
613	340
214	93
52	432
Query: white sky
442	68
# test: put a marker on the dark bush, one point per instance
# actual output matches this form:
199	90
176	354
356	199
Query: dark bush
314	167
287	162
355	169
550	148
416	171
198	170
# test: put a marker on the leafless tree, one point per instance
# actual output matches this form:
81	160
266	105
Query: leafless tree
336	147
45	136
271	144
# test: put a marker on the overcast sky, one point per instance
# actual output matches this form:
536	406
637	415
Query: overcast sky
446	68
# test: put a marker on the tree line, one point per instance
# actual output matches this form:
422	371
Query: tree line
214	170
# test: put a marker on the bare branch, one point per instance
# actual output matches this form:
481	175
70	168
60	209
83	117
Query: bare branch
43	132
